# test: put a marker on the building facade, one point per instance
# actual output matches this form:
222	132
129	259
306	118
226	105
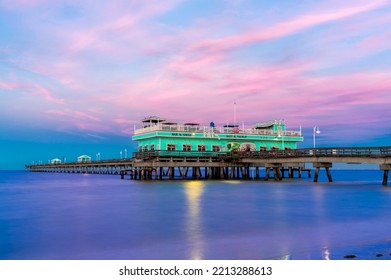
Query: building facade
158	134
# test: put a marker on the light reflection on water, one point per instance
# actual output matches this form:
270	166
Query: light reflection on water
326	253
193	191
71	216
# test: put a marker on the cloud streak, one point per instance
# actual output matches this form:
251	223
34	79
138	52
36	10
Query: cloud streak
285	28
35	89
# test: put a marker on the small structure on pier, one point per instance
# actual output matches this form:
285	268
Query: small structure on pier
84	158
55	161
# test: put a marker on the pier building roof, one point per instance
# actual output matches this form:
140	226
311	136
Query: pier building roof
274	127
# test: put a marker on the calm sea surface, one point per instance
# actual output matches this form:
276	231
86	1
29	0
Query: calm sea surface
77	216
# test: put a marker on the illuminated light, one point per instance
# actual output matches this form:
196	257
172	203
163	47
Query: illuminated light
326	253
233	182
193	192
194	184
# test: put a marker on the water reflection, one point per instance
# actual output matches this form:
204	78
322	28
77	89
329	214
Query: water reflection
285	257
326	253
193	192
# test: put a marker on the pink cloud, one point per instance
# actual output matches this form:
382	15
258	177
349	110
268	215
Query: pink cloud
69	119
201	70
284	28
375	43
35	89
20	4
101	37
74	114
40	90
122	63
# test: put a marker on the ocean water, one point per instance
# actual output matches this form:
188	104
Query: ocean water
80	216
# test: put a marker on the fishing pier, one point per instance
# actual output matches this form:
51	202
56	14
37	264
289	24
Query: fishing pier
275	164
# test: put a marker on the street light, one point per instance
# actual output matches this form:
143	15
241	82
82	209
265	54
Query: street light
126	153
120	152
316	131
280	135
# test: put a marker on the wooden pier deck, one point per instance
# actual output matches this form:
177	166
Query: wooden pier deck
239	165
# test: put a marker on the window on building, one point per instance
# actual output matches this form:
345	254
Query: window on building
152	147
201	148
262	148
146	148
215	148
140	148
171	147
186	147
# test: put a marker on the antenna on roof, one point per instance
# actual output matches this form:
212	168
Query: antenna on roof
235	113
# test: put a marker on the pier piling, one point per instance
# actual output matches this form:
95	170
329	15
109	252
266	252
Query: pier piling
326	166
385	168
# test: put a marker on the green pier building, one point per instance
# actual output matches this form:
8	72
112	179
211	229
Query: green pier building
162	135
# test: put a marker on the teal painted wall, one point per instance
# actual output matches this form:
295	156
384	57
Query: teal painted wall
160	140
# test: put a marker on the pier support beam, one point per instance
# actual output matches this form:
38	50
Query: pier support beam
290	172
385	178
326	166
386	168
276	171
267	173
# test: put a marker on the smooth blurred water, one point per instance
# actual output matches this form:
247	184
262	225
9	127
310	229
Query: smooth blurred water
77	216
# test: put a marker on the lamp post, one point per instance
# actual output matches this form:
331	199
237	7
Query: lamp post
126	153
316	131
280	134
120	153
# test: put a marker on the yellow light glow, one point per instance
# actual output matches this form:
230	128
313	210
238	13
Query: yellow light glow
193	192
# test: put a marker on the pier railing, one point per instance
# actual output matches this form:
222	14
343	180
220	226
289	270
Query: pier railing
91	162
164	153
308	152
364	152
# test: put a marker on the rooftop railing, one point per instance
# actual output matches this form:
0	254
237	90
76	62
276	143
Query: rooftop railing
215	130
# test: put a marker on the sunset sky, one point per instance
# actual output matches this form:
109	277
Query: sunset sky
76	75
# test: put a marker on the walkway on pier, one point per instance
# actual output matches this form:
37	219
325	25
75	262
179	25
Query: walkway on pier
223	165
113	166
